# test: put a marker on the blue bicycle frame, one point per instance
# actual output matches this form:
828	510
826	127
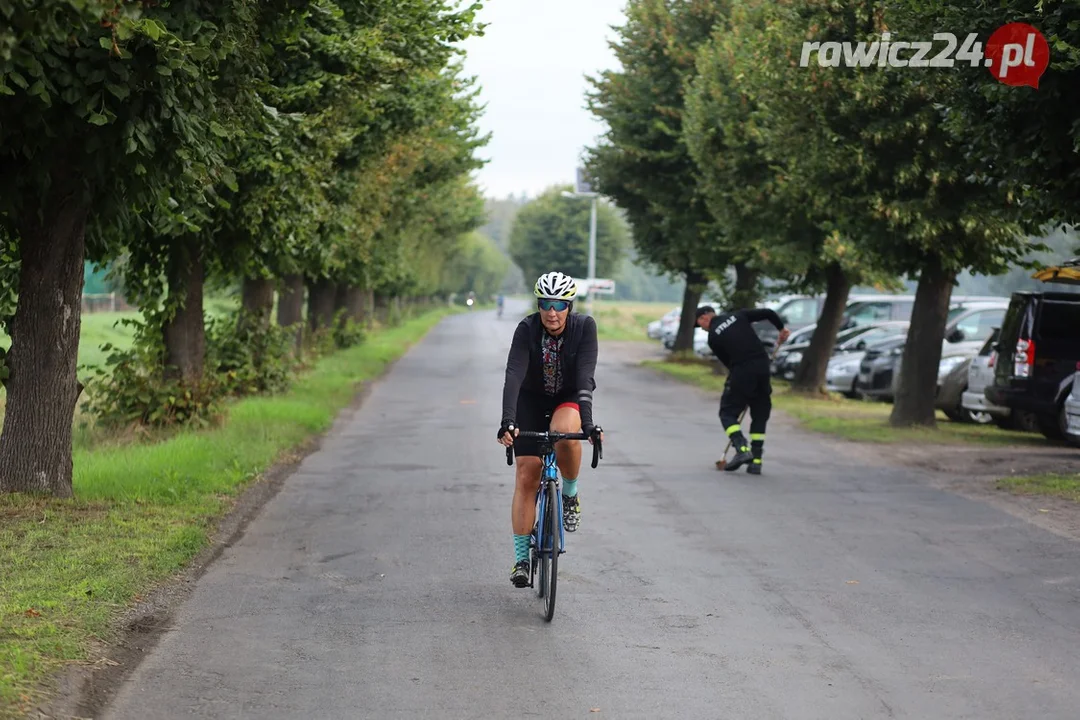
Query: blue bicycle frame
542	542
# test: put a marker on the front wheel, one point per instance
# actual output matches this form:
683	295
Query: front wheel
552	525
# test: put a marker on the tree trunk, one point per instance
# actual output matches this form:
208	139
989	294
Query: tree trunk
185	332
369	308
43	388
257	300
351	300
382	309
322	294
695	286
290	309
746	286
914	403
810	375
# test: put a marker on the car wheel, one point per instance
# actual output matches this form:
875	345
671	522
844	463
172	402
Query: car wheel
1027	422
1007	422
852	393
1052	426
956	415
1063	425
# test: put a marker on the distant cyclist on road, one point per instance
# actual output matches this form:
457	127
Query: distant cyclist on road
549	372
734	342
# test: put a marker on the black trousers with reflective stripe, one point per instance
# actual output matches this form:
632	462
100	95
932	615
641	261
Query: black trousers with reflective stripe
747	386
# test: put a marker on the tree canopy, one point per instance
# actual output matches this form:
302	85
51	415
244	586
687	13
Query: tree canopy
318	142
832	176
551	233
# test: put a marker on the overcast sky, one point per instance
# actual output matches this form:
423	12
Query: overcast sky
531	66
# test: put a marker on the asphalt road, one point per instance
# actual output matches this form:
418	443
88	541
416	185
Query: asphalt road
375	585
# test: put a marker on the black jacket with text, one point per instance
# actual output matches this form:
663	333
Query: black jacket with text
733	340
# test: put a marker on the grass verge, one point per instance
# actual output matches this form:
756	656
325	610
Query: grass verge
68	568
1053	484
616	320
102	328
858	420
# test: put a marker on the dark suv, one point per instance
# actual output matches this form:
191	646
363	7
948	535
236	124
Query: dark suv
1037	354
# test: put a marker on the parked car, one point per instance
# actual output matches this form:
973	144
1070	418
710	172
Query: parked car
1072	409
966	330
796	342
854	338
655	329
876	369
1038	352
801	311
951	387
670	325
879	309
843	367
980	373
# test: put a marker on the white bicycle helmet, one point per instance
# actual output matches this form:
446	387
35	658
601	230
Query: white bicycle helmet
555	286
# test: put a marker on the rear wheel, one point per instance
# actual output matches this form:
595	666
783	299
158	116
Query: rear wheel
1019	420
956	415
1053	426
1027	422
554	521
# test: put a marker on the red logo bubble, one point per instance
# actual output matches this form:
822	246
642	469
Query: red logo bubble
1017	54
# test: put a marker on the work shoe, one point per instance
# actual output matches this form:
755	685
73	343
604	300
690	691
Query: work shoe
754	468
519	575
743	456
571	513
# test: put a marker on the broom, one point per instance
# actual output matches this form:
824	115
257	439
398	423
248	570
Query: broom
721	464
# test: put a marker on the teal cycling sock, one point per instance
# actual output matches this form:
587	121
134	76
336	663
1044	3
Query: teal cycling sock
569	488
521	547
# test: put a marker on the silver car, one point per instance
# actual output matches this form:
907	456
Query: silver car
980	374
1072	409
951	387
968	326
669	326
843	367
655	329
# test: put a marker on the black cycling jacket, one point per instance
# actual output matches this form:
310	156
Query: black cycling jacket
733	340
524	366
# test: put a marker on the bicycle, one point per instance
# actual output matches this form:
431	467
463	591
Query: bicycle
546	544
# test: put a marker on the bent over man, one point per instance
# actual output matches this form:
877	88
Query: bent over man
549	373
734	342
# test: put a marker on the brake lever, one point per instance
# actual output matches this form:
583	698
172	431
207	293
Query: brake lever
597	449
510	449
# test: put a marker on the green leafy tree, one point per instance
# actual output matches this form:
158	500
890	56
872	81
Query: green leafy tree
873	152
642	161
747	129
551	233
1024	139
108	108
473	263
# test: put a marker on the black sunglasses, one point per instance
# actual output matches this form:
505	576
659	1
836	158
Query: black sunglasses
556	305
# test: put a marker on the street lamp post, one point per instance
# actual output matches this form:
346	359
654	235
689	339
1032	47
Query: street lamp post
592	243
